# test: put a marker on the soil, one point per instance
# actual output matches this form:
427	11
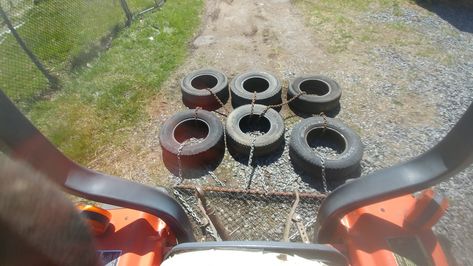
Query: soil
236	36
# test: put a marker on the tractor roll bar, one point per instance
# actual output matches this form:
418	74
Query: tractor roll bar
26	143
451	155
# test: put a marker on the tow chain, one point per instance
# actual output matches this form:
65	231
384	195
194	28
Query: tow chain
250	161
192	213
322	158
195	112
218	99
324	179
179	163
253	100
215	178
283	103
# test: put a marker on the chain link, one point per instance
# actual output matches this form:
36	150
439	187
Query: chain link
324	117
215	178
250	161
218	100
194	215
322	158
179	163
283	103
195	112
253	100
324	179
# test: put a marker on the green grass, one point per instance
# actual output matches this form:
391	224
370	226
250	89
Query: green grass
340	28
99	103
57	32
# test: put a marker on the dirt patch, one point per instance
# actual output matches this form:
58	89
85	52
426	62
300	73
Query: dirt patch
236	36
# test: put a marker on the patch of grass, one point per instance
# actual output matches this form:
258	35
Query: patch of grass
342	26
57	32
99	103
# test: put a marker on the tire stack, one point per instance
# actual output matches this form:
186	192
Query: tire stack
255	127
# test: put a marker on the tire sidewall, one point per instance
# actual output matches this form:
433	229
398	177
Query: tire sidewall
193	97
240	96
309	103
303	154
264	144
171	145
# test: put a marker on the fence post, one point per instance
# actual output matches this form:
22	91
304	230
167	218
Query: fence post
53	81
129	16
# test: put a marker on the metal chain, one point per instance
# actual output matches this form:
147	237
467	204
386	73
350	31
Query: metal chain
324	179
250	161
193	214
195	111
253	100
179	153
324	117
224	136
215	178
179	163
187	207
218	100
252	150
322	158
307	225
283	103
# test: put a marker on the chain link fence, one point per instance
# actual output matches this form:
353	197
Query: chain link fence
251	214
60	36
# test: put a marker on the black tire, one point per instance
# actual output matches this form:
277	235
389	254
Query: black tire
194	93
241	120
323	94
187	124
267	87
345	165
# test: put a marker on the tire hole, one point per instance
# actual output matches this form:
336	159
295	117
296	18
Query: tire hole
255	84
204	81
254	125
327	142
315	87
194	129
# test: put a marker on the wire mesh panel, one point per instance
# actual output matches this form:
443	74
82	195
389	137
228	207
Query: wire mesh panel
250	214
62	35
18	75
139	6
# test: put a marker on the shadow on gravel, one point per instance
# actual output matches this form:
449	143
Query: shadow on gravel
447	248
460	17
315	180
332	113
261	160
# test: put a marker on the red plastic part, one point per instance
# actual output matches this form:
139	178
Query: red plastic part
141	238
368	231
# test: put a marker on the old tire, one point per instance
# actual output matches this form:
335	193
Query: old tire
194	93
267	87
241	121
336	135
187	124
322	94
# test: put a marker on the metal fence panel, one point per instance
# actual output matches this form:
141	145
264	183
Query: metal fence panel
63	35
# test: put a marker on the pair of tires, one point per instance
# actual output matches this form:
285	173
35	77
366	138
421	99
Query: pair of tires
207	131
264	87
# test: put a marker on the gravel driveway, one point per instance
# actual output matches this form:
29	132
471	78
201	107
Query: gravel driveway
407	77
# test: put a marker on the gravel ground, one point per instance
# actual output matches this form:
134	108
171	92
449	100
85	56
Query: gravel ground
401	99
450	90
